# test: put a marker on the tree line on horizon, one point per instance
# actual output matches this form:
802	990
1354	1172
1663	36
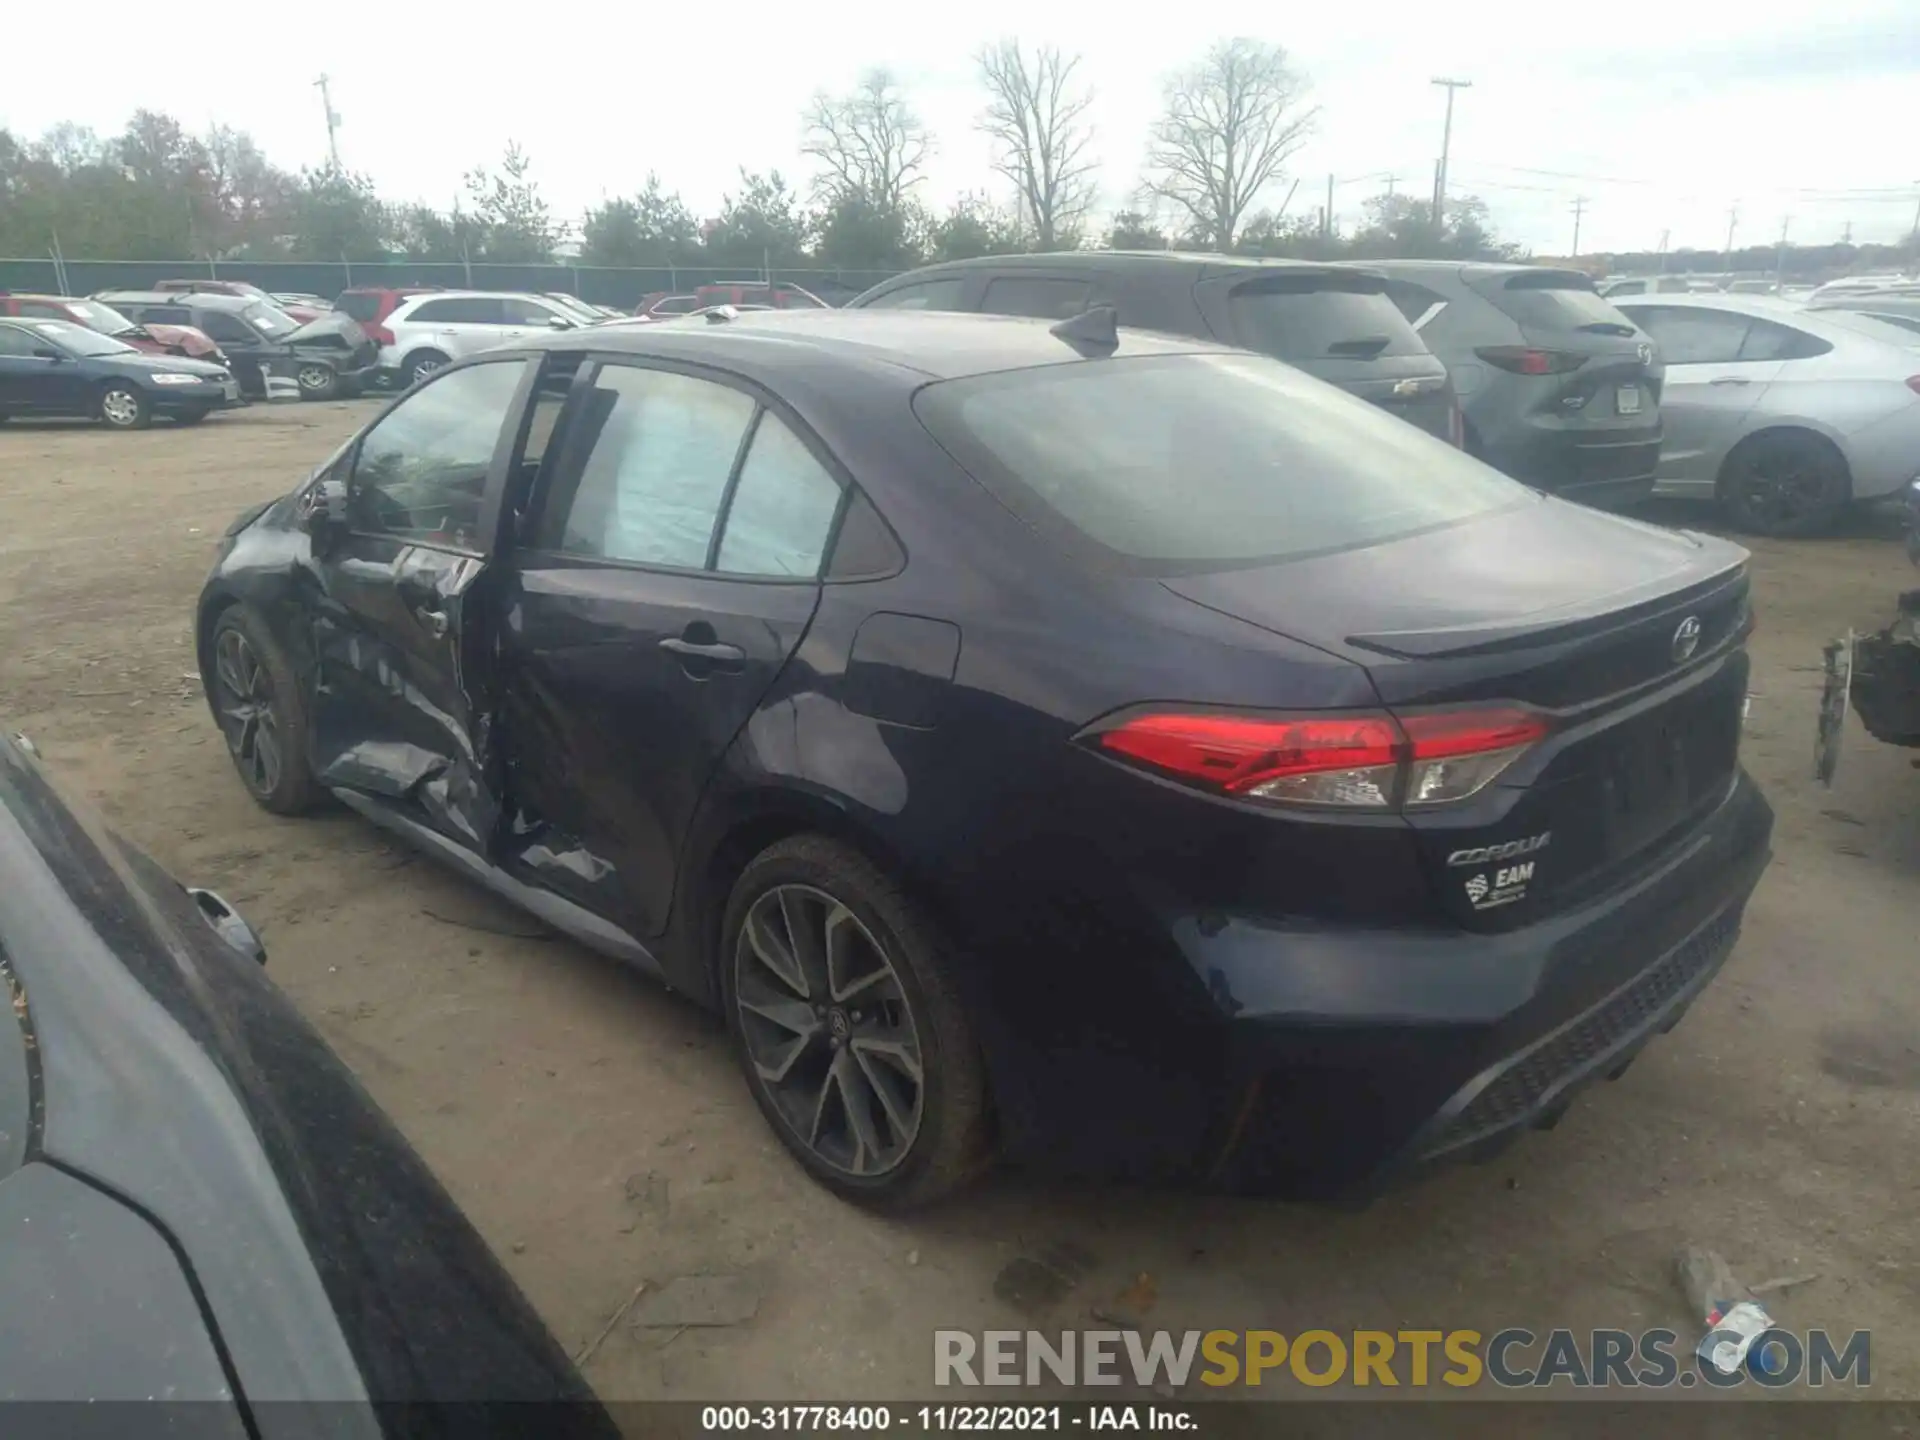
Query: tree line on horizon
1216	155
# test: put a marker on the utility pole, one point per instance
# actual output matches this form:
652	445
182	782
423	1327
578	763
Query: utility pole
1446	146
1916	214
333	119
1579	209
1392	180
1326	216
1733	219
1780	254
1846	233
1665	235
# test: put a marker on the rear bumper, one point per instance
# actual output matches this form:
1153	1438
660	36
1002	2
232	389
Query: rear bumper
1604	467
1338	1062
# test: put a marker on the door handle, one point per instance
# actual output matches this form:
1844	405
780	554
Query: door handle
1730	380
722	655
436	622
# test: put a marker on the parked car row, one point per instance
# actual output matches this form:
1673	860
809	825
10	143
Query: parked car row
1783	415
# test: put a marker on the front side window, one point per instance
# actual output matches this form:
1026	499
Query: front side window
227	329
463	310
421	471
927	295
1037	296
15	341
518	310
782	509
659	449
1190	463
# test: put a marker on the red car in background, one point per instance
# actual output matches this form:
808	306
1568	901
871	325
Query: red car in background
154	339
241	288
775	295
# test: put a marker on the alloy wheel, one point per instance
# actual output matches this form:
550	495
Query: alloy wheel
120	407
315	377
829	1030
245	707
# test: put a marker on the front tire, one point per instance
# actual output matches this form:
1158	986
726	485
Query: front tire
419	365
122	407
1787	484
317	381
849	1029
258	705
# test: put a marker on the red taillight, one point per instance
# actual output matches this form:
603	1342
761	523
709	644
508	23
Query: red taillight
1366	761
1913	383
1523	360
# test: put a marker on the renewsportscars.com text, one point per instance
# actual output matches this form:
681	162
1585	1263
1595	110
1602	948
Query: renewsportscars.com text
1460	1359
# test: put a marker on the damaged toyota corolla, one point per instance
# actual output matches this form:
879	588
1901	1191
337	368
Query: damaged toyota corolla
1098	749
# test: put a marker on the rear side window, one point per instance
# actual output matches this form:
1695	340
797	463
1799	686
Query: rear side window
782	508
1188	463
1688	336
1042	297
927	295
172	315
1768	341
463	311
1320	317
1553	300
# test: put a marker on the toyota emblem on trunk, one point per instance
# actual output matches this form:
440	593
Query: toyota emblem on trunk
1646	353
1686	639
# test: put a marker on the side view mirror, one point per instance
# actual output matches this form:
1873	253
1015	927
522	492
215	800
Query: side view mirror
47	352
323	509
560	322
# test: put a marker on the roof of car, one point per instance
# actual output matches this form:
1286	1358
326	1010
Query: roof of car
34	295
482	294
1740	300
941	345
205	299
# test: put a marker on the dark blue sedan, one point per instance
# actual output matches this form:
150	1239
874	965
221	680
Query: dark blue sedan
54	367
1098	748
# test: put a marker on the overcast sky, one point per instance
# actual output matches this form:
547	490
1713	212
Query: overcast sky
1665	118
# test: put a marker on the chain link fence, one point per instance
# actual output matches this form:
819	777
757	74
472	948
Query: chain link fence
598	285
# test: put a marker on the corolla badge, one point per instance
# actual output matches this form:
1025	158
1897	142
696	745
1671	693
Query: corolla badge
1646	353
1686	639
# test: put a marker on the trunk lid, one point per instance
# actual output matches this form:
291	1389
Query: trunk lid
1631	638
1560	312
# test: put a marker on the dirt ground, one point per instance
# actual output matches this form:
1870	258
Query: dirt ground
597	1133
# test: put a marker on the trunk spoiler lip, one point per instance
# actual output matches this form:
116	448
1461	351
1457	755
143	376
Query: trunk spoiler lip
1580	619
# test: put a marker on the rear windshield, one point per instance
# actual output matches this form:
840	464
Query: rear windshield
1180	464
1320	317
1553	301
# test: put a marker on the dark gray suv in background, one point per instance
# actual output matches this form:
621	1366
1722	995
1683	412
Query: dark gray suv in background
1334	322
1559	389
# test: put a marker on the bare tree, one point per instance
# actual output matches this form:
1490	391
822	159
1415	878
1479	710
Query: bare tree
1228	127
871	142
1036	118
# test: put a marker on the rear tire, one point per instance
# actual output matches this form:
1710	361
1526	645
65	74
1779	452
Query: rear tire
845	1018
1787	484
257	703
420	364
122	407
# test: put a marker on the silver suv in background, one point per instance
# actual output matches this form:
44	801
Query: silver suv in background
429	330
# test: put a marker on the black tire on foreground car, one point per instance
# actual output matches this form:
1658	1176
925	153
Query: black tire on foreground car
257	702
123	407
1787	484
848	1026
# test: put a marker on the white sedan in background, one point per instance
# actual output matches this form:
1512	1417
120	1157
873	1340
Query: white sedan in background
1784	415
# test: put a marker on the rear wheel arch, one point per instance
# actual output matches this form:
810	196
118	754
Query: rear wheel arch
1728	479
1784	430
